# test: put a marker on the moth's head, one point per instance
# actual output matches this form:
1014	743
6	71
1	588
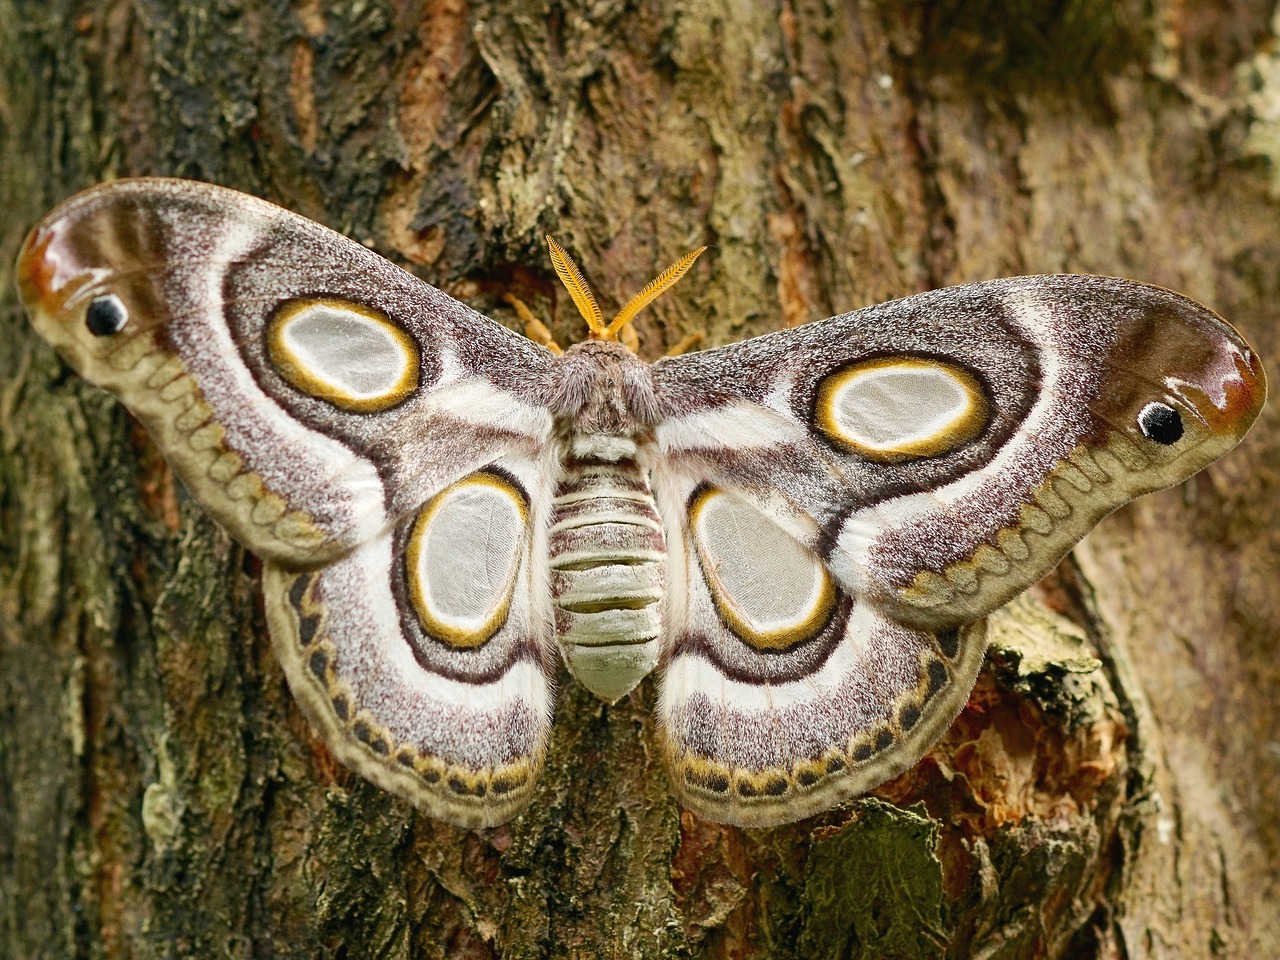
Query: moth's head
1180	384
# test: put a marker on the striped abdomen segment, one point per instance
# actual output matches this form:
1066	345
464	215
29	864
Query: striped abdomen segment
608	571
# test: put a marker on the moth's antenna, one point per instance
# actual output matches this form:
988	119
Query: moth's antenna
576	284
585	300
656	288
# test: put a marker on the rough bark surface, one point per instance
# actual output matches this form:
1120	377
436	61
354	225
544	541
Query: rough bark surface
1113	788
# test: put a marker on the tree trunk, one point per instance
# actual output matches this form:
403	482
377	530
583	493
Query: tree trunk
1113	788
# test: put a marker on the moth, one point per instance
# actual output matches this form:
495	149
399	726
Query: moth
802	532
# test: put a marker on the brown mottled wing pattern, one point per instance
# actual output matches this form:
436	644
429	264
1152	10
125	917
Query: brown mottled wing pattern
353	426
934	456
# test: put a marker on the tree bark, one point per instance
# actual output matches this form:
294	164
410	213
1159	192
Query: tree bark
1112	789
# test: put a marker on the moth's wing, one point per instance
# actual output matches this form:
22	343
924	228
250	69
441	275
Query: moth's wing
307	391
422	656
378	443
943	452
782	693
853	497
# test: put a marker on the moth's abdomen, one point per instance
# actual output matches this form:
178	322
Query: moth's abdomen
608	573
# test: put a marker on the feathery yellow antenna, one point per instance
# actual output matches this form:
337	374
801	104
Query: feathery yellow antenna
656	288
576	284
585	300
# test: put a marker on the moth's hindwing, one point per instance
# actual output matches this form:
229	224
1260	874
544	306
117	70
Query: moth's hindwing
419	656
783	694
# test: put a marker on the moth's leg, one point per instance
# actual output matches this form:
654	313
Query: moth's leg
534	329
686	342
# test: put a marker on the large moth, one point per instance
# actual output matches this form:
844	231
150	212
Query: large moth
803	532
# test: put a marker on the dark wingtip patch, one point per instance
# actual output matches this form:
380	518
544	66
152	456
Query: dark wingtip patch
949	642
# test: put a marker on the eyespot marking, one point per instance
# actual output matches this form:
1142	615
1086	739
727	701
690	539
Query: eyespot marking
769	590
1161	423
344	353
462	558
891	409
106	315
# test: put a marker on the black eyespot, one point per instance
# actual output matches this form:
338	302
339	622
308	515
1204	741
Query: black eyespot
106	315
1161	423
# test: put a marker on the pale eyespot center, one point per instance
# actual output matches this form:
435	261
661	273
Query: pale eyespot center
897	408
770	590
462	558
344	353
